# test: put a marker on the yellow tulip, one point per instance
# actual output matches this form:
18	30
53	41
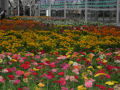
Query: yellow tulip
71	62
99	74
35	69
104	61
1	60
99	67
81	87
41	84
111	82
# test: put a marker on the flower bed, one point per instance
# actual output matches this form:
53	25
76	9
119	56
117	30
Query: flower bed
57	20
43	56
63	41
21	24
72	71
26	35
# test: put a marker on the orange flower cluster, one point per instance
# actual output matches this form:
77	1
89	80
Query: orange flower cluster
103	30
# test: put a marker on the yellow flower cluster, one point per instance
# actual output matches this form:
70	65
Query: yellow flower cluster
22	40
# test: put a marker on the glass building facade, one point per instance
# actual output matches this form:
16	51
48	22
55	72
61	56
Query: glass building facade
87	10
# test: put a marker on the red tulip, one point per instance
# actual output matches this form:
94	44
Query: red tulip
61	73
34	73
11	77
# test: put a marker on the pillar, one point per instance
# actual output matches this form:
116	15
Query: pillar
30	10
0	3
39	8
65	9
49	10
117	14
18	8
86	11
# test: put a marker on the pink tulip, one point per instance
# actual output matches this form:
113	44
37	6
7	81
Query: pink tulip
75	53
28	54
65	66
10	63
16	56
16	82
13	69
62	81
63	88
19	72
62	57
89	83
76	71
50	75
9	53
67	77
2	56
4	70
108	76
23	58
37	57
73	79
26	88
109	54
38	67
21	61
54	70
35	63
1	79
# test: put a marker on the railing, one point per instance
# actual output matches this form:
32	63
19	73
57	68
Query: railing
90	4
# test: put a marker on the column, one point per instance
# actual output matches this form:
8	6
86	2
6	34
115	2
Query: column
117	15
39	8
23	10
86	11
0	3
65	9
30	11
18	8
49	9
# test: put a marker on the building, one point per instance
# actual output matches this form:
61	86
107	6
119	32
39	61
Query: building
4	4
86	10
